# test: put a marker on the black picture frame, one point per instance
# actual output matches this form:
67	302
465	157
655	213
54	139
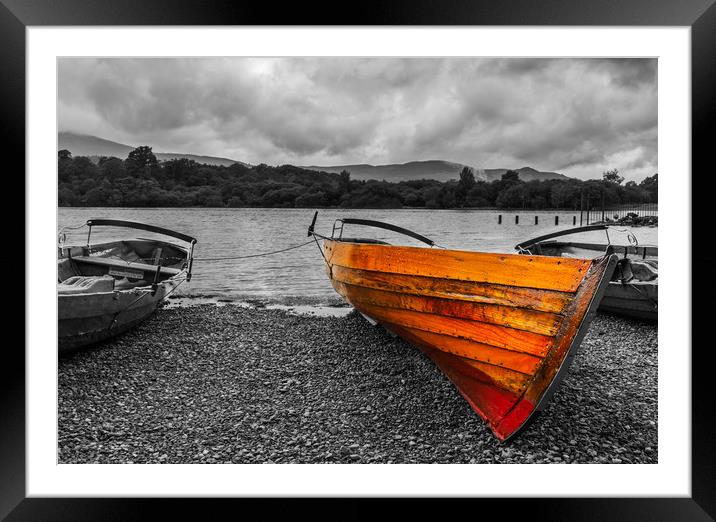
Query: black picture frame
16	15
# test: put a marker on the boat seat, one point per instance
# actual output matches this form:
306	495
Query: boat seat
629	270
644	271
126	284
86	285
119	264
65	269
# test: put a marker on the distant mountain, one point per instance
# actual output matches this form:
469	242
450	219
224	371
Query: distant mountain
432	169
526	174
94	147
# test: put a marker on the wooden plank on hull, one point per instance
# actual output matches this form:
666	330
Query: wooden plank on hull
483	354
493	335
553	273
521	319
505	378
487	293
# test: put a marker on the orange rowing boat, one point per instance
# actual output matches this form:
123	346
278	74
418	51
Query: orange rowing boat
503	327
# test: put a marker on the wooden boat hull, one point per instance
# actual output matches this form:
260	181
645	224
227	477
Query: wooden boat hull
639	300
502	327
106	288
85	319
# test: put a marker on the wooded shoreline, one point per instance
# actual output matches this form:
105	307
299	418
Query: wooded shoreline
142	181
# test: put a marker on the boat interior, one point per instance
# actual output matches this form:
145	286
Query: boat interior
637	263
118	265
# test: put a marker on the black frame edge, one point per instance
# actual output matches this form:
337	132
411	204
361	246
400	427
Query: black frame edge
371	12
703	121
700	14
12	368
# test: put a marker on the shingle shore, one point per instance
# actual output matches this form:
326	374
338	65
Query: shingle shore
227	384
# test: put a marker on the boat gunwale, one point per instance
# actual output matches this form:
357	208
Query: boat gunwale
135	225
560	233
356	242
93	249
633	252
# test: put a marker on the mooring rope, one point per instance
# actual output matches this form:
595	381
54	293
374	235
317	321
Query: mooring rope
320	250
263	254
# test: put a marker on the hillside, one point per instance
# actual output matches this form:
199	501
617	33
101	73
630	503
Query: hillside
94	147
433	169
526	174
439	170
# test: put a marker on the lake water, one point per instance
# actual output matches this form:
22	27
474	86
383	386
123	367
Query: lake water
297	276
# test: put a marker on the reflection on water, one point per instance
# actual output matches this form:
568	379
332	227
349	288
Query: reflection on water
297	277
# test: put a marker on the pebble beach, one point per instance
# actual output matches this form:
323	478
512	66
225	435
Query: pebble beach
221	383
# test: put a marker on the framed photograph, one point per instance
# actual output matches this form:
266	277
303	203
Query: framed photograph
231	207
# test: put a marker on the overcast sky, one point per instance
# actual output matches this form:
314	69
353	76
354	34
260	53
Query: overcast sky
574	116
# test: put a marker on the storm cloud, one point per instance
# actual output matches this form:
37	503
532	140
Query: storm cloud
579	117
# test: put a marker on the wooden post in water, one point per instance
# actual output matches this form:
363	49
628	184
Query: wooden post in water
602	204
517	219
556	220
574	220
499	219
536	220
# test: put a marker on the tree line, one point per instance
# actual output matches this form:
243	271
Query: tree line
141	181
